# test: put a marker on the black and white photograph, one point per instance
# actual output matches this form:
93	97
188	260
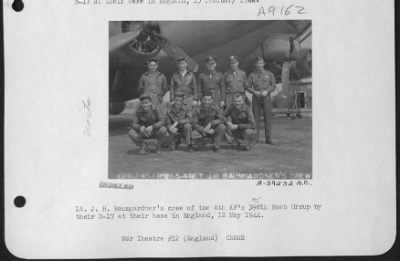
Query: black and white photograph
210	99
199	128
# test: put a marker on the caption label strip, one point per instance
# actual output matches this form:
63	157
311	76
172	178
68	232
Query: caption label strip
262	10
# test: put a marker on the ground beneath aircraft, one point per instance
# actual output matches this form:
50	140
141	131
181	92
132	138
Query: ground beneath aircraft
290	157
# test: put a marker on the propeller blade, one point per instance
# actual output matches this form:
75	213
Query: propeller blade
122	39
175	51
285	81
304	63
295	49
285	74
302	57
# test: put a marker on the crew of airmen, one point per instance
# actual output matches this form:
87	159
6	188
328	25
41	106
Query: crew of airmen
205	110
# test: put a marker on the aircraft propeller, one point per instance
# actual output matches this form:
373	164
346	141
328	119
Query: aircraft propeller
148	40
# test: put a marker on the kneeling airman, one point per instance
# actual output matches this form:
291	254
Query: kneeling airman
147	123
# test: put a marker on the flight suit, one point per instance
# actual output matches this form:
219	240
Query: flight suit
262	81
154	84
184	118
147	118
244	118
212	82
235	82
185	84
203	116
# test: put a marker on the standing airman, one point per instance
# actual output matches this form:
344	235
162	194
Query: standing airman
212	81
153	82
235	81
184	81
262	83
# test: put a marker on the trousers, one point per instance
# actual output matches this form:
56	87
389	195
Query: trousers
186	130
138	138
247	134
263	105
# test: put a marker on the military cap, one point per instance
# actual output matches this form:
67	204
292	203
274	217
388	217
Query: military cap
210	59
180	59
237	95
259	59
233	59
145	96
207	93
152	59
